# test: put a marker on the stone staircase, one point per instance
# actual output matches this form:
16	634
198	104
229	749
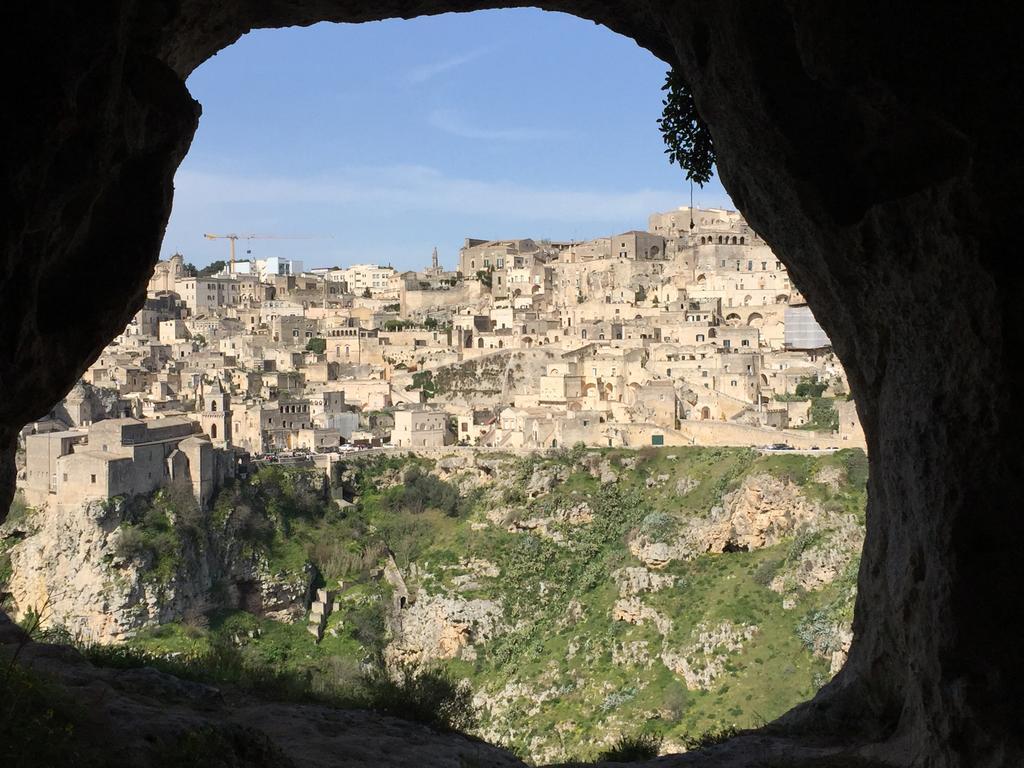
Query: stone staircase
319	609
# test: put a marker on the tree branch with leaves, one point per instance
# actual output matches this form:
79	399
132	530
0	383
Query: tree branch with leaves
687	138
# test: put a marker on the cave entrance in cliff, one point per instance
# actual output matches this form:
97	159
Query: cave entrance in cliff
430	76
469	133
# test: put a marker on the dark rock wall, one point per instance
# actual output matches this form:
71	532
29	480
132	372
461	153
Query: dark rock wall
874	145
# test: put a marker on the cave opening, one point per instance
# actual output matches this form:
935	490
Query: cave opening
211	199
922	143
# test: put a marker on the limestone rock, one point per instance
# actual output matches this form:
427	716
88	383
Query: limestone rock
632	581
68	569
634	611
543	480
576	514
830	476
760	513
134	714
440	627
634	653
685	484
703	661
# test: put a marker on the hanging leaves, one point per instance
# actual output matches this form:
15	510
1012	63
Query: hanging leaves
687	138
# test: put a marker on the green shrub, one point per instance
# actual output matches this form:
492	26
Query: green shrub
856	463
632	749
513	496
822	415
19	509
676	699
366	625
421	491
709	738
659	526
426	696
39	724
810	388
765	572
131	544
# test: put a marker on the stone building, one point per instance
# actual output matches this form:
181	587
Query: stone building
122	457
416	428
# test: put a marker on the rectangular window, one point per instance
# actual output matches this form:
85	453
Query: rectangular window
92	479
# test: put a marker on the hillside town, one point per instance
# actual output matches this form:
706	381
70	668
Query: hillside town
688	333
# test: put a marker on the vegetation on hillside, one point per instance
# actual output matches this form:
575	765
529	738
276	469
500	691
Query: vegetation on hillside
544	540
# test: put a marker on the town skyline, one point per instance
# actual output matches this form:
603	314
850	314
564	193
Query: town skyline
311	131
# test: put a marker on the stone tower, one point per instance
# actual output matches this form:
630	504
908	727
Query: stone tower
213	406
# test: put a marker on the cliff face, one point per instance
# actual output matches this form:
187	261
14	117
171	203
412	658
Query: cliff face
85	571
587	592
577	594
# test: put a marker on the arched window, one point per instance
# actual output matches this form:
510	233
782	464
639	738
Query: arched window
741	240
719	239
213	431
213	405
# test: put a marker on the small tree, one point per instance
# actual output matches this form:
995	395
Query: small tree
213	269
316	345
367	294
810	387
687	137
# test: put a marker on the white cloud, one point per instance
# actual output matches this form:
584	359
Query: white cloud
455	123
425	72
423	189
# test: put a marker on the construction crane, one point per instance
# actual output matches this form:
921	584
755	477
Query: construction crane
232	238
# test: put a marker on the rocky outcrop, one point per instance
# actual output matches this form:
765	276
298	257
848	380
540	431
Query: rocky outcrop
142	718
543	480
703	661
548	526
633	610
68	568
633	581
758	514
439	627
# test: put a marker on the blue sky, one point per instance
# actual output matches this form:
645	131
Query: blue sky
383	140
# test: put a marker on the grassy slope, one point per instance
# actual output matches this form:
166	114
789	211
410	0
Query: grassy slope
576	699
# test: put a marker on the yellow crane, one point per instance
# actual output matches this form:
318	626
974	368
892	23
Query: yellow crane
232	238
